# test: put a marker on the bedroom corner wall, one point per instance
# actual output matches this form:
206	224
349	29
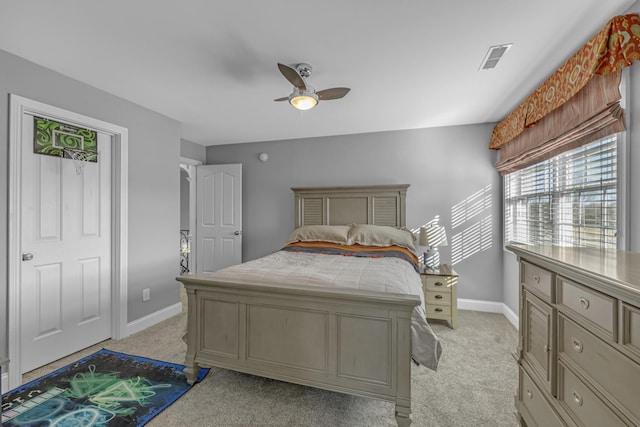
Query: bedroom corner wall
193	151
153	211
450	170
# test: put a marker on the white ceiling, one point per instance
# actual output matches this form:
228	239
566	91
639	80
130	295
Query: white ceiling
211	65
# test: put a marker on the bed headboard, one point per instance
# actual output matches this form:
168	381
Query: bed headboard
370	204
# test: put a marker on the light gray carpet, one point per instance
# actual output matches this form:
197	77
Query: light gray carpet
474	385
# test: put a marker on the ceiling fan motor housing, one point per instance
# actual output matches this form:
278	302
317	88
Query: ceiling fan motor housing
303	69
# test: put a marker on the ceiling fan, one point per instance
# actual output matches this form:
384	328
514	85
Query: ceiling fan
304	96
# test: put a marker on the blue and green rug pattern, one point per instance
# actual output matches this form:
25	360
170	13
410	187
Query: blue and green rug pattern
103	389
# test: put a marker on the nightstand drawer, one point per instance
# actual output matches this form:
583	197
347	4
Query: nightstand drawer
437	310
437	283
438	298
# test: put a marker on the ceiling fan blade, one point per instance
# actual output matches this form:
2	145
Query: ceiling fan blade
333	93
284	98
292	75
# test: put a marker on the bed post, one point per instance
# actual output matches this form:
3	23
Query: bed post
191	367
403	396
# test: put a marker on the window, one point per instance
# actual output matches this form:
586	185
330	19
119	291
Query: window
568	200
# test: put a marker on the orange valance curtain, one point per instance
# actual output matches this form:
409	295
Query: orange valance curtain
615	46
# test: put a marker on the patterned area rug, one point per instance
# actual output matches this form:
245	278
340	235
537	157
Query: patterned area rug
104	389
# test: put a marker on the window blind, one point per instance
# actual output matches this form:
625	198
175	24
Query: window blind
567	200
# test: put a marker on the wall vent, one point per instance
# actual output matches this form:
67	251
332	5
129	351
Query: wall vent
494	54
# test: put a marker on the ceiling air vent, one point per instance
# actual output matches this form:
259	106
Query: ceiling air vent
493	55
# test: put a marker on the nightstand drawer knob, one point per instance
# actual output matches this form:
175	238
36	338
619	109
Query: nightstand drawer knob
438	297
438	284
438	309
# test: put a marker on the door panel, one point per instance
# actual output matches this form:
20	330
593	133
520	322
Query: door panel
48	300
218	217
65	289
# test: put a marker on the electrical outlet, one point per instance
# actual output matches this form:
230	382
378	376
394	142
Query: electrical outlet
146	294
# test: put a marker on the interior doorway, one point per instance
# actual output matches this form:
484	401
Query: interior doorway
21	110
187	214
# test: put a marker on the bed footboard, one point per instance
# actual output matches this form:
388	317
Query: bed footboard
349	341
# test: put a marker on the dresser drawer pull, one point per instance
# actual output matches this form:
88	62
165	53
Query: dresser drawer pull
438	309
577	345
584	303
536	279
438	297
438	284
529	394
577	398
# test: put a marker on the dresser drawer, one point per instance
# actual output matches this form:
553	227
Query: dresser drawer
537	279
435	311
598	308
437	283
612	370
583	403
438	298
631	330
539	410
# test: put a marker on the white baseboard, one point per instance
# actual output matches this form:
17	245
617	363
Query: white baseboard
153	318
489	307
511	316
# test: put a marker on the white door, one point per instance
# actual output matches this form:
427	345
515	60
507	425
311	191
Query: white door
65	289
218	217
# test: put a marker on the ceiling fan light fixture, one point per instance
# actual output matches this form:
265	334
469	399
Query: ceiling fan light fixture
303	99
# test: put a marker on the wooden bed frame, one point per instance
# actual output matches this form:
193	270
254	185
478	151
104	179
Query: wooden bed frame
349	341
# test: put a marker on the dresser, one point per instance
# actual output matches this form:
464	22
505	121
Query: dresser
3	361
440	286
579	337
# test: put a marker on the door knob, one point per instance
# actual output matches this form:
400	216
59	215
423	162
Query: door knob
237	232
27	257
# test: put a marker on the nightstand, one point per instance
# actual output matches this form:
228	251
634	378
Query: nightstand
441	293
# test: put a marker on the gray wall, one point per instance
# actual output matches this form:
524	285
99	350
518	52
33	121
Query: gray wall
192	151
450	171
154	150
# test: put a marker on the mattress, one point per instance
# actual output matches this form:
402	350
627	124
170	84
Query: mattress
347	267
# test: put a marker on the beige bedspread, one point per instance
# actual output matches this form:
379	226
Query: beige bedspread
392	275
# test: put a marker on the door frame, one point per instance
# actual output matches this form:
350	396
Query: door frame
119	223
190	168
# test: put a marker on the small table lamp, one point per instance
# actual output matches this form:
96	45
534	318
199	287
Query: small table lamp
432	236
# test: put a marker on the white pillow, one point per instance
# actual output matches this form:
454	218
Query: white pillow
381	235
320	233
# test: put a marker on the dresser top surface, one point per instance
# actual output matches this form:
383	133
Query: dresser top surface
619	268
